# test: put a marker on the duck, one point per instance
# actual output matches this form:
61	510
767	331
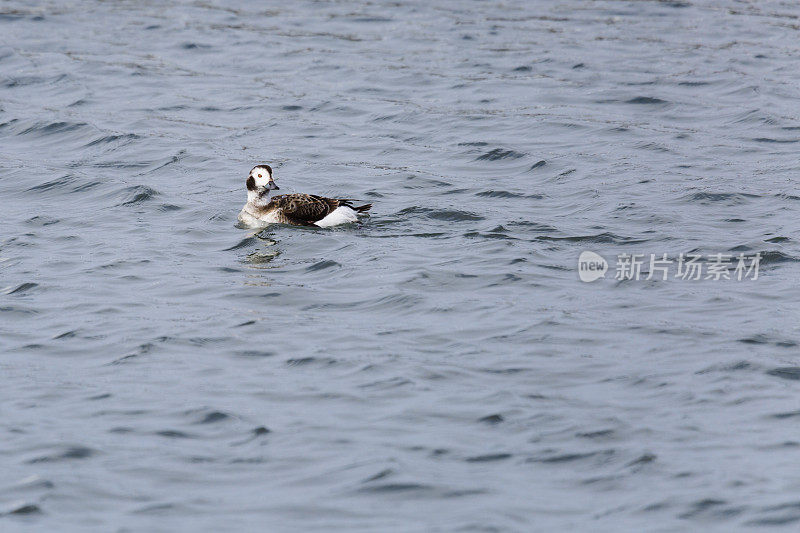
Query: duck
294	209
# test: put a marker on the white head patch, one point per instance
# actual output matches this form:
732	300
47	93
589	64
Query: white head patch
262	174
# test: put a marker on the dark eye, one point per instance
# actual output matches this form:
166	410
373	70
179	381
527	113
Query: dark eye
259	175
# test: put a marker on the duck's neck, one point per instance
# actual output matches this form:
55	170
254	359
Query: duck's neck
256	199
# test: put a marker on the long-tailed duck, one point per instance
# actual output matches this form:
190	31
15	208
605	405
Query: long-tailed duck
296	209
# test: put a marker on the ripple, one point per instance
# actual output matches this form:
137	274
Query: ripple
22	288
392	488
106	139
256	353
302	361
724	197
498	154
23	81
710	508
172	434
53	184
642	459
771	140
778	515
489	458
52	128
494	234
322	265
371	19
789	414
565	457
88	186
764	339
244	243
728	367
214	417
609	238
447	215
160	509
137	194
786	372
646	100
774	257
20	508
599	434
380	475
69	453
499	194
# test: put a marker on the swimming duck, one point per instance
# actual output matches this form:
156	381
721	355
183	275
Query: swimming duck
295	209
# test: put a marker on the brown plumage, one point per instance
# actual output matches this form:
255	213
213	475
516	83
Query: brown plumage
306	209
297	209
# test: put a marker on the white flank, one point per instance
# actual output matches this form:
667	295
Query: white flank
340	215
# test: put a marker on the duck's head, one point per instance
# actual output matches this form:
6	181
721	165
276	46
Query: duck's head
260	182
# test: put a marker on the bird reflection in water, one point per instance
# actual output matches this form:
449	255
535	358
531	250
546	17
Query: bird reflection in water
266	252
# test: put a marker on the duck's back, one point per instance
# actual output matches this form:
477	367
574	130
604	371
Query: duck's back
310	209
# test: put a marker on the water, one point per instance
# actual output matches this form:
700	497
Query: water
440	367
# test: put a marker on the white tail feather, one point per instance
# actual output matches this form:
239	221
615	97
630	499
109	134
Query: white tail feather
340	215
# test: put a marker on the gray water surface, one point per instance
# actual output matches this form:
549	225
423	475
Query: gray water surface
439	367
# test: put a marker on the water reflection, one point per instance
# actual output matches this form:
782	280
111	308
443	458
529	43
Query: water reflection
267	249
